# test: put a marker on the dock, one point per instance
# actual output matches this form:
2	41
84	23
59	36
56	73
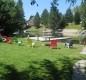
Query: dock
47	38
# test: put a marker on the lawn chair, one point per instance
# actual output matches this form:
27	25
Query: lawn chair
7	39
69	43
15	40
53	44
30	42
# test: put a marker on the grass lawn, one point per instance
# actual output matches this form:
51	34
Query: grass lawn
73	26
34	29
70	26
37	63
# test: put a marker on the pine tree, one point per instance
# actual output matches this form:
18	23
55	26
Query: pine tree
77	9
11	16
20	16
37	20
69	16
77	17
54	16
62	23
7	14
83	13
44	17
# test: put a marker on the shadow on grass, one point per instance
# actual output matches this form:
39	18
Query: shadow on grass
9	72
43	70
51	69
66	71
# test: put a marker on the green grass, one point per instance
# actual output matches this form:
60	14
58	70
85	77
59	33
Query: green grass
70	26
40	62
73	26
34	29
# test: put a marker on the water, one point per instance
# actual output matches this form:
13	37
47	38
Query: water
33	34
77	38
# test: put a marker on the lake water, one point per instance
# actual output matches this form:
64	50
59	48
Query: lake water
56	35
77	38
33	34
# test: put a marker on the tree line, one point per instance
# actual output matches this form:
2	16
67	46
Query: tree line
12	16
55	19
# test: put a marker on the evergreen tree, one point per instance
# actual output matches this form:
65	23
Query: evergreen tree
7	13
20	16
37	20
77	17
69	16
62	23
44	17
54	17
83	13
11	16
77	9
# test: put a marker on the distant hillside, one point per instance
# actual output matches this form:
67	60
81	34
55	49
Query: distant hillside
42	27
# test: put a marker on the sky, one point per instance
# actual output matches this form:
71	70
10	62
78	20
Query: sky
42	4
